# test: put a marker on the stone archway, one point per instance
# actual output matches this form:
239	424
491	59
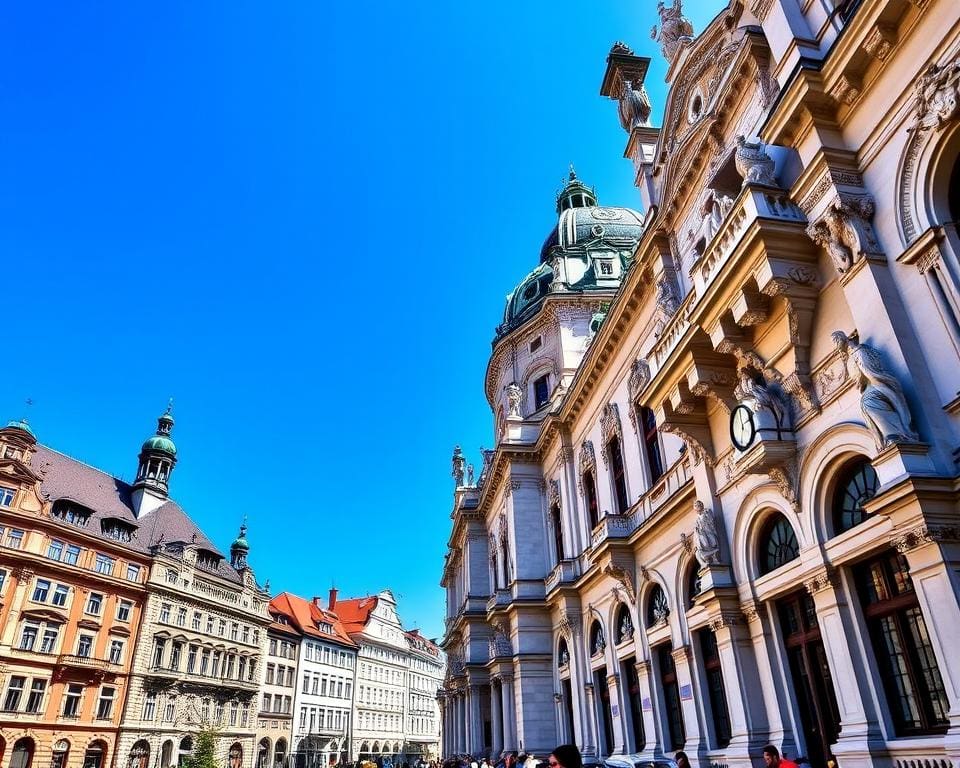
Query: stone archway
139	755
263	753
22	754
95	755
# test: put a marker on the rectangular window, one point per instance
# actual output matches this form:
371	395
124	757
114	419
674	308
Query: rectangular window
267	700
105	704
209	625
718	696
204	662
123	610
618	475
133	572
41	590
104	565
233	713
221	627
60	595
170	710
116	651
55	549
165	613
71	702
6	496
3	578
72	554
35	700
85	646
159	648
195	624
303	718
181	617
651	444
149	706
191	658
233	630
176	649
590	492
246	633
95	604
48	643
306	683
11	702
541	391
269	674
14	538
28	638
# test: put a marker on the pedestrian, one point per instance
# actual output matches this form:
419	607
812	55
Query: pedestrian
565	756
510	760
682	760
772	758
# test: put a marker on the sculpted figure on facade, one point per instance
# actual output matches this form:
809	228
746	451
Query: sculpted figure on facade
674	29
938	94
634	106
707	537
763	398
514	400
845	232
459	462
882	401
753	163
469	474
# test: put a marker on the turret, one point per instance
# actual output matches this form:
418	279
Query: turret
158	454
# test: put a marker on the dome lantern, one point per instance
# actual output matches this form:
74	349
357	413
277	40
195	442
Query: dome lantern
240	549
158	454
575	194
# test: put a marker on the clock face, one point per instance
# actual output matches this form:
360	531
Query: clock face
742	427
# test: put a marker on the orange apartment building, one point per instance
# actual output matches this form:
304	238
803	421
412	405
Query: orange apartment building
73	566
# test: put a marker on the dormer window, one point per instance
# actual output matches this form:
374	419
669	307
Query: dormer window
7	496
116	529
325	627
10	452
207	560
71	512
605	268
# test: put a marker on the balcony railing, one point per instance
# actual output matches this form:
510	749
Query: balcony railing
86	662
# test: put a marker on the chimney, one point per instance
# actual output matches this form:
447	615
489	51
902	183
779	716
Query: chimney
332	602
318	602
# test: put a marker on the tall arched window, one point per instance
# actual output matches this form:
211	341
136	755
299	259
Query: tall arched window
657	607
856	485
597	643
556	520
623	629
651	443
235	756
590	497
693	583
617	474
778	544
563	654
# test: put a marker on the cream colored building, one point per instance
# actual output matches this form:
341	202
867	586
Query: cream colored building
723	511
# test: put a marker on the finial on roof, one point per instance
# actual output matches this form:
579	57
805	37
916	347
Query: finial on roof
573	172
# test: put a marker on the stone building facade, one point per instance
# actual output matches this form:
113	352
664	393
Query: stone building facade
277	690
730	517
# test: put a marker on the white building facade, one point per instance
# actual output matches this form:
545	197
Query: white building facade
722	511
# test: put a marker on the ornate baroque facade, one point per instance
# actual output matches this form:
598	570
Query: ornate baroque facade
722	509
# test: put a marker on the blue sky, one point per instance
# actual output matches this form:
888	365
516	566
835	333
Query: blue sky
300	220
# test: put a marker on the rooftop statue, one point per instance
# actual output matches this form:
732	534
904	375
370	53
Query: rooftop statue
753	163
634	106
674	29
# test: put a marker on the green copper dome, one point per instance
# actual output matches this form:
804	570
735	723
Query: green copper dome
159	443
241	542
21	424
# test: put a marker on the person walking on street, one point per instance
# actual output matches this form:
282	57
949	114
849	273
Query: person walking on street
682	760
772	758
565	756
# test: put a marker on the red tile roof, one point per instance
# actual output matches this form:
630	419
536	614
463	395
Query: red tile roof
355	612
305	615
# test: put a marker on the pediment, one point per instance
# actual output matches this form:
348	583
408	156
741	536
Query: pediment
14	471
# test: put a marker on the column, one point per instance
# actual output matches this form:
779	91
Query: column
509	714
564	737
592	721
770	669
618	726
650	732
475	720
683	661
740	678
496	718
858	721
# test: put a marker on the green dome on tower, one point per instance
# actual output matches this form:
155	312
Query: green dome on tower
21	424
241	542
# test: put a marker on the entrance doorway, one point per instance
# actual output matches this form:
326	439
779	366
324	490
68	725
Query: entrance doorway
22	754
811	677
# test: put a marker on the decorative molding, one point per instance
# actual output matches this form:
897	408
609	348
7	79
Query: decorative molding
830	179
569	624
825	578
554	494
844	230
625	578
725	620
923	535
760	9
750	610
610	427
588	462
639	378
880	41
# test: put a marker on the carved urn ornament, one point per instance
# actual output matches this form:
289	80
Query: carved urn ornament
753	163
882	401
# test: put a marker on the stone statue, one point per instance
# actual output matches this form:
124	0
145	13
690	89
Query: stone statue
514	400
763	397
675	28
458	464
844	231
882	400
469	474
634	106
666	297
938	94
705	533
753	163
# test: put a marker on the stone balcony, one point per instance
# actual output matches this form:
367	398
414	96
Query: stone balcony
500	599
566	572
87	662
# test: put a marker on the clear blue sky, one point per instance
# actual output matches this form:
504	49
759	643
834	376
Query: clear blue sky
300	220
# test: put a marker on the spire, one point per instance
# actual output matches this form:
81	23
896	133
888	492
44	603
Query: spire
158	454
575	194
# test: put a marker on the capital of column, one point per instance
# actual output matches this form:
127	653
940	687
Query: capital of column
750	610
923	535
826	578
642	667
681	653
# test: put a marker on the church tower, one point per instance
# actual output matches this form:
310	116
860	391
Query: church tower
158	454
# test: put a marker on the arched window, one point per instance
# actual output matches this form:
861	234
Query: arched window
693	583
556	518
95	755
61	749
590	496
280	753
563	654
651	443
623	629
855	487
22	755
617	474
778	544
139	754
657	607
235	756
597	643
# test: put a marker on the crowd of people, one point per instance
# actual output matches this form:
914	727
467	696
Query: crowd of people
568	756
